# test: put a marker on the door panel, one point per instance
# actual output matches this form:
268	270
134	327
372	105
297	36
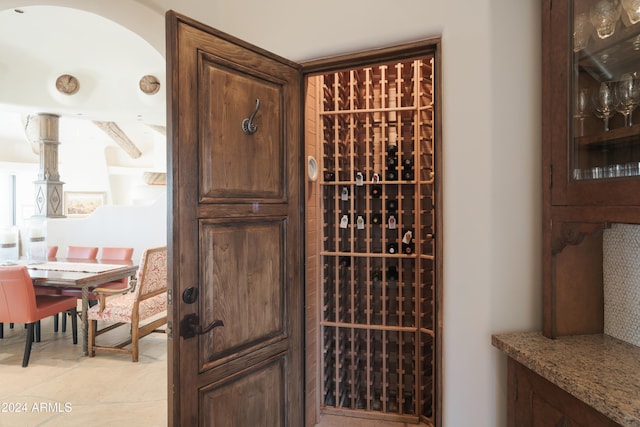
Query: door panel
261	392
230	97
235	232
243	284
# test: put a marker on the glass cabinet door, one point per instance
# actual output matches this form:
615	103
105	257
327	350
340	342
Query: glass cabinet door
604	133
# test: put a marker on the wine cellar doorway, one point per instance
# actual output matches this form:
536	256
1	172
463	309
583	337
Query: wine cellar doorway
373	247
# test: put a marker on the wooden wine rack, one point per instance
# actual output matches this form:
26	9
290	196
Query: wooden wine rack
377	251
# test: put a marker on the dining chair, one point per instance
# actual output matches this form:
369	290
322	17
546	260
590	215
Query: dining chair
142	306
118	254
20	304
113	256
82	252
52	252
108	255
88	253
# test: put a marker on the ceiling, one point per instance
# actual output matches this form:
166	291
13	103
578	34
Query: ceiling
40	43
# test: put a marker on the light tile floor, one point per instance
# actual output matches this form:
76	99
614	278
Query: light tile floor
60	387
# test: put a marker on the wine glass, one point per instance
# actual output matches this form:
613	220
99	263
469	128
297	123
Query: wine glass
603	103
632	8
582	30
604	16
581	109
627	95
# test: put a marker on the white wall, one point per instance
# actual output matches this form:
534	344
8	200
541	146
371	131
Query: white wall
491	155
138	227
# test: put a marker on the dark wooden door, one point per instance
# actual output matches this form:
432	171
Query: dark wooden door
235	231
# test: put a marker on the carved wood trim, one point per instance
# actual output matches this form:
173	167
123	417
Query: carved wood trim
572	233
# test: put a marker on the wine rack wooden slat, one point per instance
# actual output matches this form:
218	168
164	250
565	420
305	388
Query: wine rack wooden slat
378	251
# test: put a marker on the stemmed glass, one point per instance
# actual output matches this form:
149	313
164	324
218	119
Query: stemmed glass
581	109
604	16
582	30
603	103
632	7
627	96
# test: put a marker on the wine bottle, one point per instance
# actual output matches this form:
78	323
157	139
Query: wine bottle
344	195
392	273
407	241
407	169
407	163
392	221
392	248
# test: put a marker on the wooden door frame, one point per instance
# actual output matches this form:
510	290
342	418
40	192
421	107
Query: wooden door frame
359	59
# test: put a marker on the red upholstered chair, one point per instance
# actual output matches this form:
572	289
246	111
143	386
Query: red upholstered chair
52	252
119	254
76	253
142	306
19	304
108	255
113	256
82	252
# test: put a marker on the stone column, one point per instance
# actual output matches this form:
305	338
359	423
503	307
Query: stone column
42	129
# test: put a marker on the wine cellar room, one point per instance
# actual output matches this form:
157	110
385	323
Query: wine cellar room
373	268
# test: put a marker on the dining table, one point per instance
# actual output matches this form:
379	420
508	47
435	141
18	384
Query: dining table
80	274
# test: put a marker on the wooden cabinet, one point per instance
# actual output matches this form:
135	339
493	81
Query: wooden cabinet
591	87
591	178
535	402
377	239
591	151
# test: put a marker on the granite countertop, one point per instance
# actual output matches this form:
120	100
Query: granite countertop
602	371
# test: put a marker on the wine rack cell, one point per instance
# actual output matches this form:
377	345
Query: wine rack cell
427	358
378	239
371	370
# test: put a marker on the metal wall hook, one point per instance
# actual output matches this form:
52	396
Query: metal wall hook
248	127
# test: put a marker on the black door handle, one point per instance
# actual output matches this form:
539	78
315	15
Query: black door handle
190	326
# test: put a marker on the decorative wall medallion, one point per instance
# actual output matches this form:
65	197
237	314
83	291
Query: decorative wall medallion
149	84
67	84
